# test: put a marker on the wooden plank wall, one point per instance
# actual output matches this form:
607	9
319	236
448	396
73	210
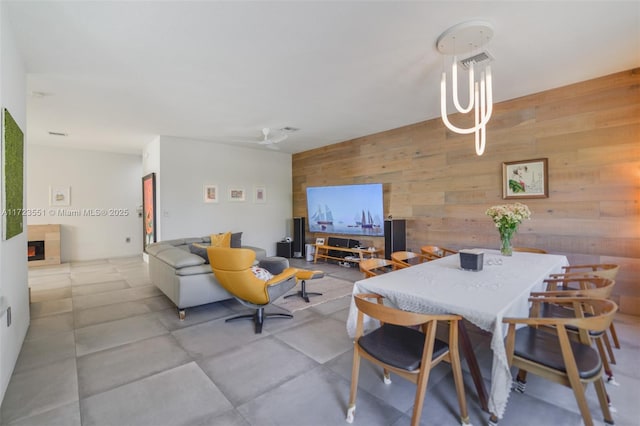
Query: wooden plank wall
590	133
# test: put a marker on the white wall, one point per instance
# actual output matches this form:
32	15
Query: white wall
106	183
187	165
13	259
151	164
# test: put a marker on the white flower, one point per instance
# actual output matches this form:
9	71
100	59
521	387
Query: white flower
507	217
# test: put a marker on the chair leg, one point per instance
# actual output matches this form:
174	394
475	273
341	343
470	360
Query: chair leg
420	393
459	382
303	292
386	376
605	360
355	372
614	336
578	391
258	318
603	399
607	344
521	381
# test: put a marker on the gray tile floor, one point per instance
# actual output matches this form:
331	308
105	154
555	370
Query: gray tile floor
105	347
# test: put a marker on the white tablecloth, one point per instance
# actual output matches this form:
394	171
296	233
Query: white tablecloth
483	298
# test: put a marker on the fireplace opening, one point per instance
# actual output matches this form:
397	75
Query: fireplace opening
35	250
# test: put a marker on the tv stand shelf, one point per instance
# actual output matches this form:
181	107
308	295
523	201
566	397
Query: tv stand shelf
322	252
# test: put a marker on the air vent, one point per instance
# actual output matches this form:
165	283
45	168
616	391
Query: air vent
58	134
40	94
480	58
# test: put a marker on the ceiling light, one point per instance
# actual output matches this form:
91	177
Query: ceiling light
460	39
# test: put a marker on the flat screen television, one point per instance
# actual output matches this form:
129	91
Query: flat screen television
346	209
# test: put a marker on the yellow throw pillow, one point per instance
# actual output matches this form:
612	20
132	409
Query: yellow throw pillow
221	240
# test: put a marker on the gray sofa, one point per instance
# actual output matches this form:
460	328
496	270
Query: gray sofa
185	277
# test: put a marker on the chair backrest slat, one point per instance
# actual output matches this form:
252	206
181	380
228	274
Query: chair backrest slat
436	251
580	285
529	250
389	315
375	266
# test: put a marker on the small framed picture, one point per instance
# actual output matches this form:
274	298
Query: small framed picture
525	179
260	194
236	193
149	224
210	193
59	196
319	241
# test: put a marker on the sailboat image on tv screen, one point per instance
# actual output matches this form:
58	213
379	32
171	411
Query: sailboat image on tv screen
366	221
323	217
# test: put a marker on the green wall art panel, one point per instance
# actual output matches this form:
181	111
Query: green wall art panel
13	176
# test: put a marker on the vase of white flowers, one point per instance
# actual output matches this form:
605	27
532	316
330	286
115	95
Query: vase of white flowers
507	217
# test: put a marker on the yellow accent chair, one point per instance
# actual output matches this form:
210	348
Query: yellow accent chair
232	268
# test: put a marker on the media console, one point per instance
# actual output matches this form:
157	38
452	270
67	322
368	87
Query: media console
341	254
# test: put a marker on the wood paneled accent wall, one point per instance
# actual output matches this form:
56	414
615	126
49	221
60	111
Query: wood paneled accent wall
590	133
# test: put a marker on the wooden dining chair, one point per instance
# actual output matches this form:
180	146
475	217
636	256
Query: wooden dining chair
578	286
373	267
529	250
607	270
554	356
404	259
436	251
398	347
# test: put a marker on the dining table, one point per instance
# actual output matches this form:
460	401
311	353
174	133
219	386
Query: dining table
499	290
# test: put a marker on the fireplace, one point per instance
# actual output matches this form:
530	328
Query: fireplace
43	245
35	250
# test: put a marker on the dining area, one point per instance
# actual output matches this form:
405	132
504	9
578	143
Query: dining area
494	294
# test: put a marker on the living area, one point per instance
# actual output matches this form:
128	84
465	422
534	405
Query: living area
106	347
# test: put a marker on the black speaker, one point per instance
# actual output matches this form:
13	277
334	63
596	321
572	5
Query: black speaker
298	237
283	249
338	242
395	236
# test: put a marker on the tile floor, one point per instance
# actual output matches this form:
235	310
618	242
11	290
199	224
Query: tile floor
105	348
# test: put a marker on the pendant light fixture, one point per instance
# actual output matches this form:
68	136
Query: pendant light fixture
469	39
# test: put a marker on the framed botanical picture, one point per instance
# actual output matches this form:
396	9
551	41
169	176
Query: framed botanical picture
12	185
148	210
525	179
236	193
210	193
259	194
59	196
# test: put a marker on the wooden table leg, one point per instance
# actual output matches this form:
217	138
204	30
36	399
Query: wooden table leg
472	362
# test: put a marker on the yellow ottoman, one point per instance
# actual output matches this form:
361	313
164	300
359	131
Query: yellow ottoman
303	275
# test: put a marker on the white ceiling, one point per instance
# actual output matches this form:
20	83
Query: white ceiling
118	73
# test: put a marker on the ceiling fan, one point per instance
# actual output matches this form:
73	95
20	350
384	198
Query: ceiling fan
269	141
